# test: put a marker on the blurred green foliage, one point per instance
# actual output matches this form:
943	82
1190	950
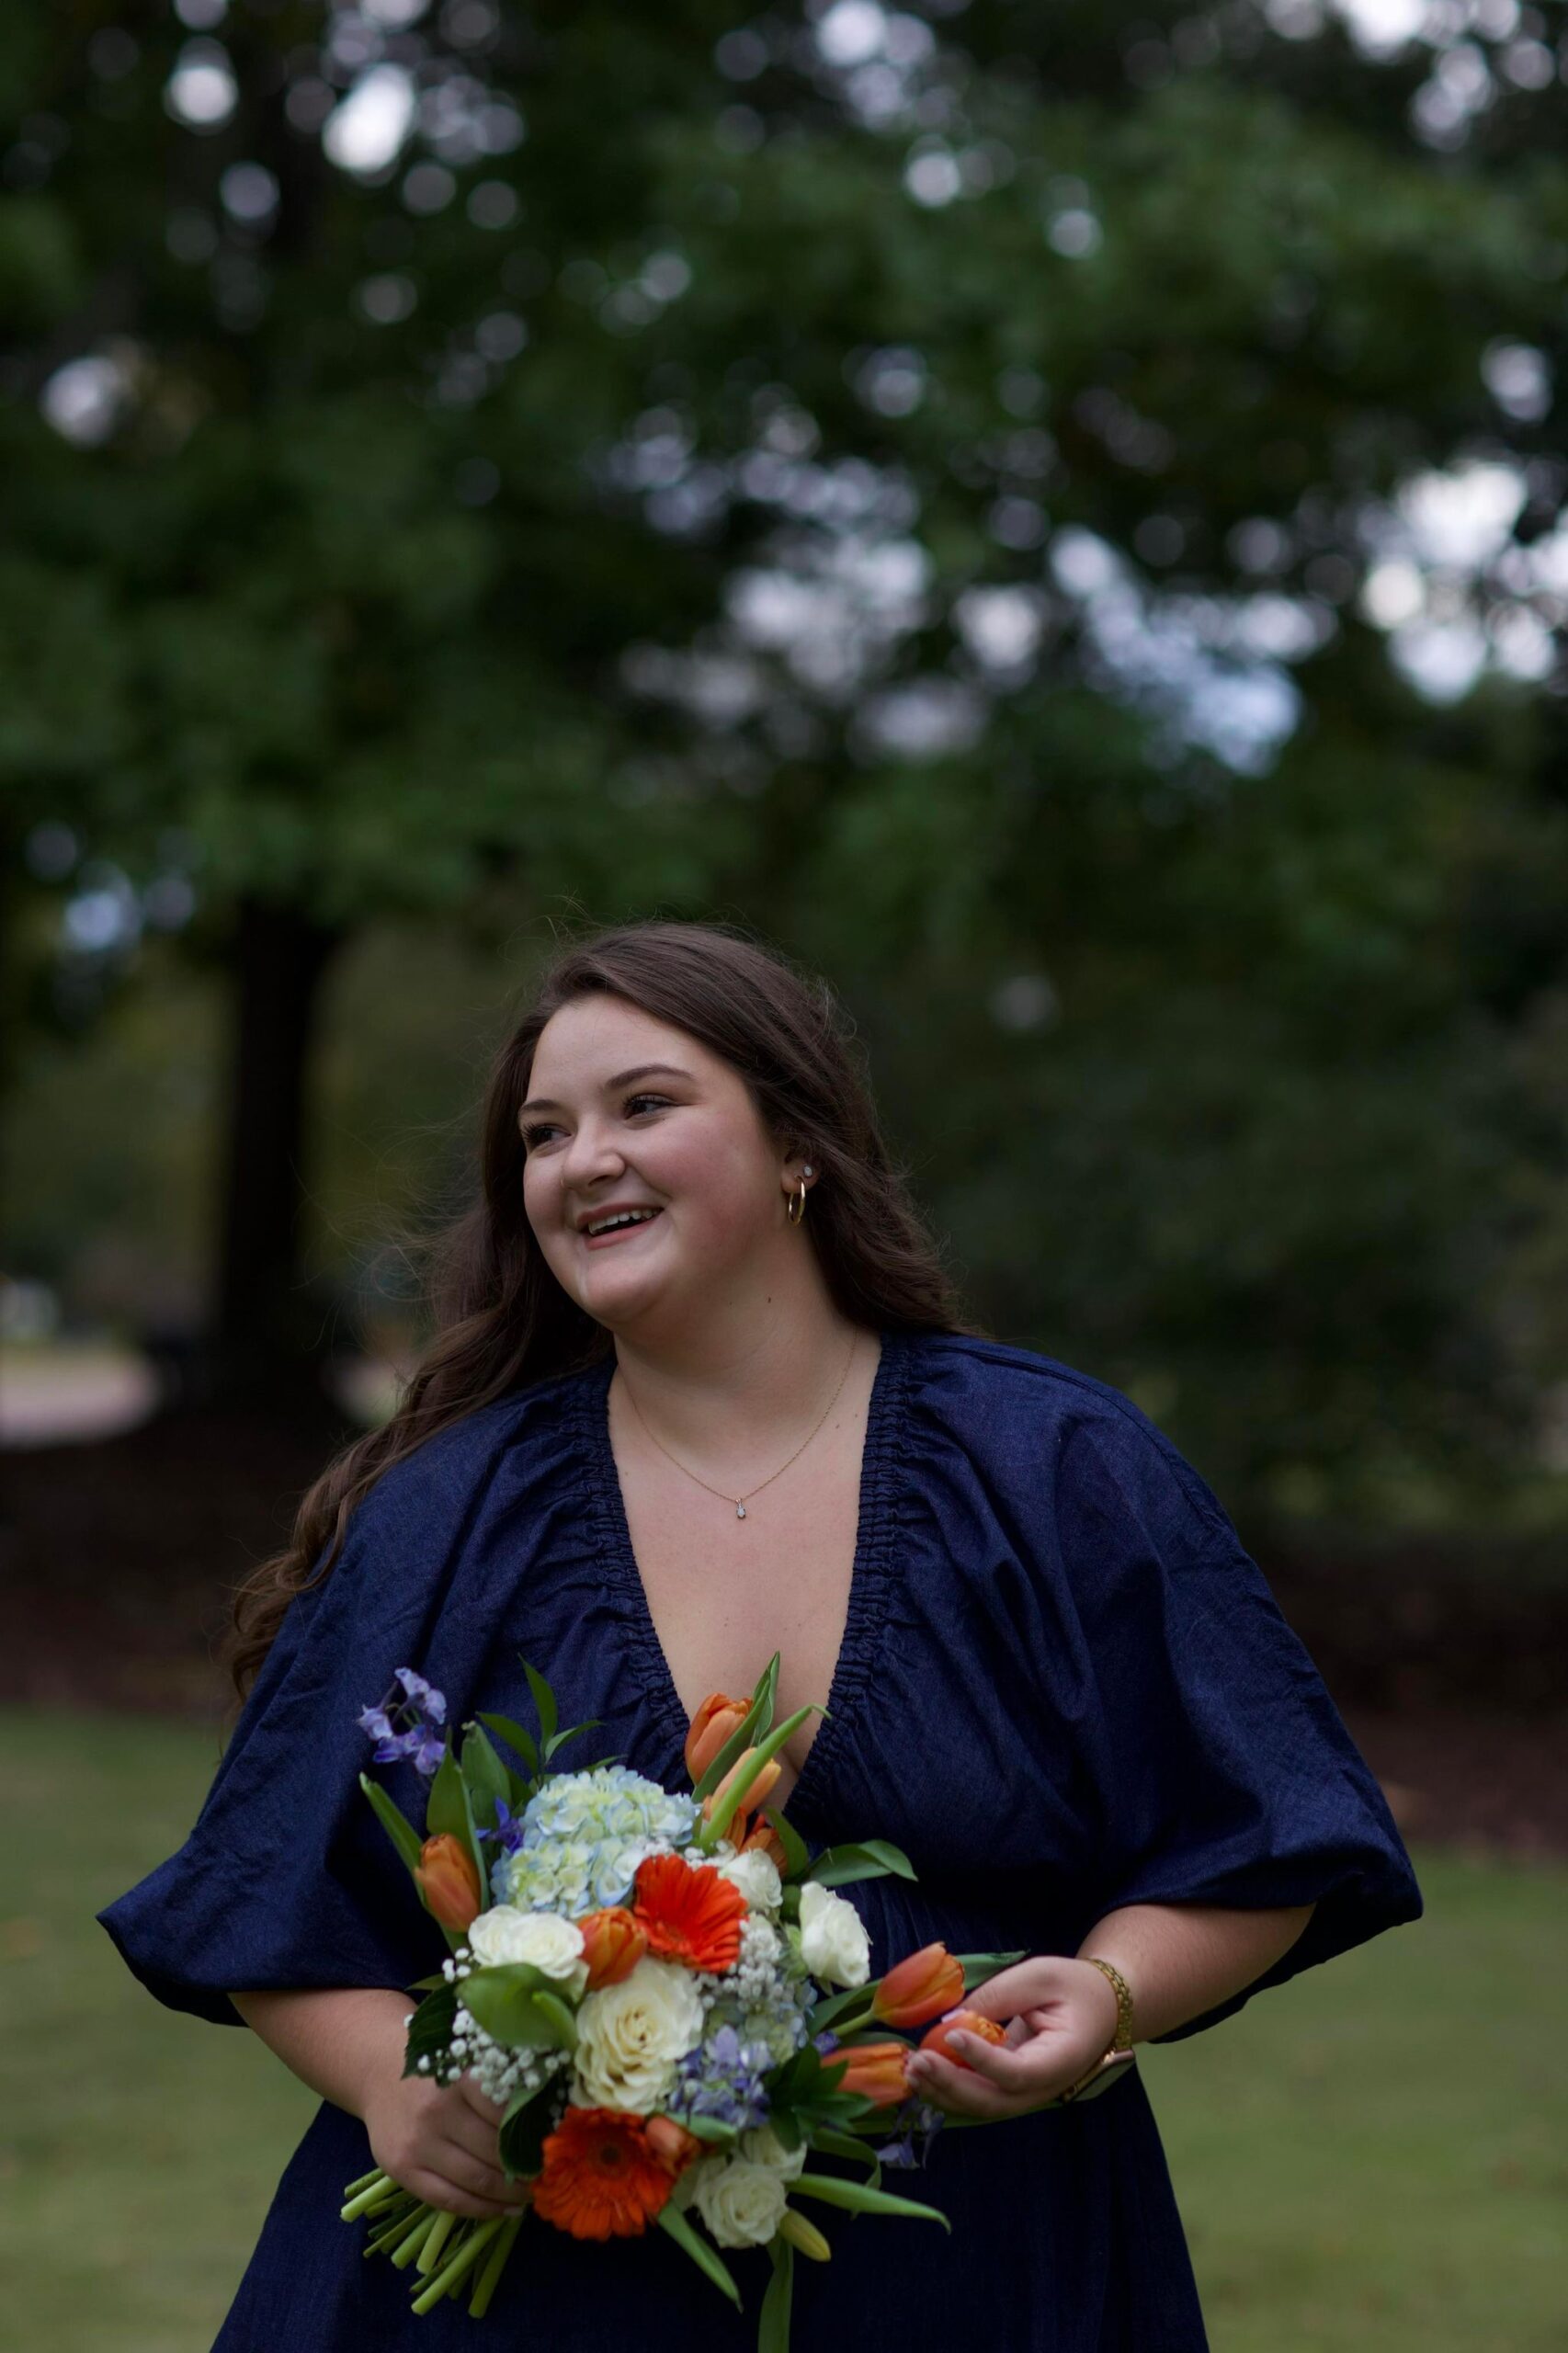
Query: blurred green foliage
941	486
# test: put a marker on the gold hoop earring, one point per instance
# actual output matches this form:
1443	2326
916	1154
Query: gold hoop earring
795	1209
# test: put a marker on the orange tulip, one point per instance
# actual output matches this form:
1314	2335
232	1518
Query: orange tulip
763	1837
448	1880
967	2023
876	2071
744	1786
671	2142
613	1944
924	1984
717	1719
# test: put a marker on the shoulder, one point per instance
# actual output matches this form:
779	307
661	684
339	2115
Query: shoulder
1059	1433
437	1487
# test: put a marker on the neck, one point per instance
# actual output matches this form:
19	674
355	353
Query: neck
731	1388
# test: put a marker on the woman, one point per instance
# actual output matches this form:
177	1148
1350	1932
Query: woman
700	1393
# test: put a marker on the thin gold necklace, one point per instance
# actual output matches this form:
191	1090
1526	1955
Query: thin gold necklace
741	1502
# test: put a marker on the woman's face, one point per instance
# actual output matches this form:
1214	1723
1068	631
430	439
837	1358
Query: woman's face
626	1113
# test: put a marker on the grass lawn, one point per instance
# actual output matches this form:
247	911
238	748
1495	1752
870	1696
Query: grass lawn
1371	2157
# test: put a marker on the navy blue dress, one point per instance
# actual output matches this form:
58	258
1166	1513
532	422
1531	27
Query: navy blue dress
1064	1686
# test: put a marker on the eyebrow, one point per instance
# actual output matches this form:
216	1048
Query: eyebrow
622	1078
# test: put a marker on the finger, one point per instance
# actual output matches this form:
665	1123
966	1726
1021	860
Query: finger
478	2177
437	2190
955	2089
995	2062
479	2101
474	2135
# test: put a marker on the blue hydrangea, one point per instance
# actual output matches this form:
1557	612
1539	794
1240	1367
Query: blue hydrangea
584	1835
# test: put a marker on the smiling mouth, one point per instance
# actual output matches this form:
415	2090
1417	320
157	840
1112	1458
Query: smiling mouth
615	1229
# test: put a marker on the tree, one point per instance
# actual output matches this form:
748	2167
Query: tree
942	484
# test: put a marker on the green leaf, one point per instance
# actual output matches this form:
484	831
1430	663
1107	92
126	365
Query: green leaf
504	2002
797	1854
524	2129
773	2319
515	1736
428	1985
395	1822
475	1844
544	1701
445	1810
559	1739
430	2028
844	2144
978	1966
552	2006
860	2198
709	2127
485	1775
702	2255
832	2006
871	1859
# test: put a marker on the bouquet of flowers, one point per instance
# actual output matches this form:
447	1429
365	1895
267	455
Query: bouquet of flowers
662	1990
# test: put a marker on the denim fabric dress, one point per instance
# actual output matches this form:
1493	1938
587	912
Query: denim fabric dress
1064	1686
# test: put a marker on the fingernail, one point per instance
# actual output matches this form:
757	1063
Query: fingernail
960	2042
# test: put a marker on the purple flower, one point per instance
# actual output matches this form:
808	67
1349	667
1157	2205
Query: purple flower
425	1696
723	2079
826	2042
421	1714
920	2122
508	1827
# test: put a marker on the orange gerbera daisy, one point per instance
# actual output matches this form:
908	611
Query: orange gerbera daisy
689	1913
601	2179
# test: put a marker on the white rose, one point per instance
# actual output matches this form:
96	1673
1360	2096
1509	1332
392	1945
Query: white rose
833	1942
742	2203
546	1942
631	2035
762	2146
756	1876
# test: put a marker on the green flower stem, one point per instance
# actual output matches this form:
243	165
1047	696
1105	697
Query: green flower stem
495	2264
364	2199
403	2255
411	2227
352	2188
430	2253
466	2257
394	2229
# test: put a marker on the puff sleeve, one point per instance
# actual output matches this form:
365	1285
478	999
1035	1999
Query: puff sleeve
1226	1775
286	1880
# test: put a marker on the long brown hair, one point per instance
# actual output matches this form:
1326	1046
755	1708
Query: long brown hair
503	1322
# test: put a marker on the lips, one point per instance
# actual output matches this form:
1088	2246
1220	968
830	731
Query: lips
619	1233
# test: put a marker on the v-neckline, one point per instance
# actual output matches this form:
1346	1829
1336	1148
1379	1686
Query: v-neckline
869	1575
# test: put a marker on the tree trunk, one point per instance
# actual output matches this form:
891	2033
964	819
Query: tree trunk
268	1337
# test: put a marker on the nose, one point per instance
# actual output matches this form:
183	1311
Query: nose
591	1155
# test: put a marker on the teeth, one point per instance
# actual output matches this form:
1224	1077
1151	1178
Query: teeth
627	1217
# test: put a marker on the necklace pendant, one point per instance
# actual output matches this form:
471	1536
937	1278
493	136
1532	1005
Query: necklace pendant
739	1511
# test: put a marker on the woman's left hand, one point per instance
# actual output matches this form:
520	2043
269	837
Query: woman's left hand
1060	2018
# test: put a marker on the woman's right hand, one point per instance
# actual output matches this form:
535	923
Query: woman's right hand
439	2141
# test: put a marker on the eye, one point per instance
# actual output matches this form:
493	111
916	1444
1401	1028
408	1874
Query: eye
542	1128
